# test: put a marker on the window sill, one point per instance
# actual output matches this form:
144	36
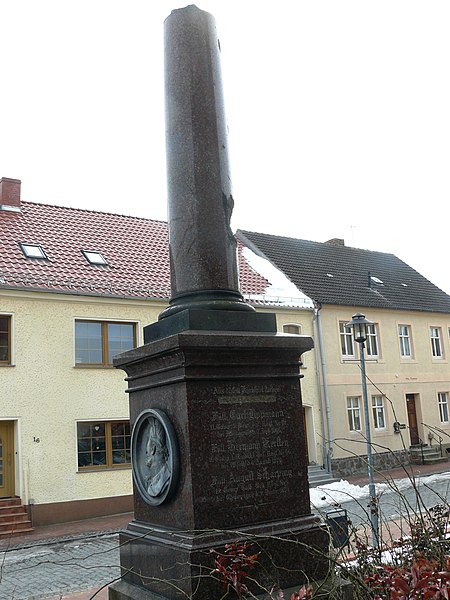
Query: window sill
367	359
103	469
6	365
93	367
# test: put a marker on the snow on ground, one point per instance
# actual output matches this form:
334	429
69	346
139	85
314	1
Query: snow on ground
343	491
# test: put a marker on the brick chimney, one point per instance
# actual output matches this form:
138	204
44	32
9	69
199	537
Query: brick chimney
10	194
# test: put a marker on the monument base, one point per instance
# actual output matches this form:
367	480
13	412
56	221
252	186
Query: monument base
233	401
171	564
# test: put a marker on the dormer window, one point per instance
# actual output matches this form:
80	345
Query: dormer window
95	258
33	250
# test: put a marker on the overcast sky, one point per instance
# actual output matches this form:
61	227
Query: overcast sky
338	112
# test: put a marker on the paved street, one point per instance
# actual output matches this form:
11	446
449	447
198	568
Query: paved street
50	570
399	498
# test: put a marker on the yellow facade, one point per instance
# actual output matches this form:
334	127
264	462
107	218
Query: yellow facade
309	382
419	377
45	394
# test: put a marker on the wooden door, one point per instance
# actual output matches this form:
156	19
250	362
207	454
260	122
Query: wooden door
412	419
6	459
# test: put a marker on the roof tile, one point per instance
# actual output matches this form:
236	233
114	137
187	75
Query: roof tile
136	250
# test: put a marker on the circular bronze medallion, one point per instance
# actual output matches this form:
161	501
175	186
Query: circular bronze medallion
155	456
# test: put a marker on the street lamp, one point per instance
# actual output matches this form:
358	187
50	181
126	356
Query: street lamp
359	324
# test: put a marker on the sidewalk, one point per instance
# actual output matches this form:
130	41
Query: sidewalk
401	473
68	531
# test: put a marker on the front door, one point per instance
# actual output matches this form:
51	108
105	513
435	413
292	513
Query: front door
412	419
6	459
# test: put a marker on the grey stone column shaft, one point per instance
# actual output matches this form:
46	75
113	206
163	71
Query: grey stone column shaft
202	247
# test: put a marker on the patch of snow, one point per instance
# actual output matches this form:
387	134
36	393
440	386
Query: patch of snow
343	491
280	289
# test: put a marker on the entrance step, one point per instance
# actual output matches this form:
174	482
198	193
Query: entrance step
426	455
317	475
13	518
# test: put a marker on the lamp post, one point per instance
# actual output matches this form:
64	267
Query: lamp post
359	325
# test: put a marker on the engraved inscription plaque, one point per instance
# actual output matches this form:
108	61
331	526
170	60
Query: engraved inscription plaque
155	457
250	448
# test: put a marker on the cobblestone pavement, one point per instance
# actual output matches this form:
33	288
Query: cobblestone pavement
62	560
58	568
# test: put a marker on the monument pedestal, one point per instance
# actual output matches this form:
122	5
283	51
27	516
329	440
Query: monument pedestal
233	403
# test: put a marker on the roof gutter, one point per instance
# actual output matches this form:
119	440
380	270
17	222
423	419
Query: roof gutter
327	447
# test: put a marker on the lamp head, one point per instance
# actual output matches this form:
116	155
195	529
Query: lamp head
359	324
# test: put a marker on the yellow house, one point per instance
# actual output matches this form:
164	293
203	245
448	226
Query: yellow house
76	288
407	351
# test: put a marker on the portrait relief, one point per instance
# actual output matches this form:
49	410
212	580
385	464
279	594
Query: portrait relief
155	457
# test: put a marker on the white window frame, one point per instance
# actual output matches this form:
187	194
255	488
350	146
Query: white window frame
354	413
372	343
94	257
404	337
346	341
443	407
437	348
378	411
33	251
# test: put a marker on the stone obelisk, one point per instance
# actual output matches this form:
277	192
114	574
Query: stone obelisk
218	449
202	245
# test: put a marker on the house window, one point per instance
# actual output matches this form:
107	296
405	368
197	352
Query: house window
95	258
97	342
354	413
33	250
443	406
5	340
372	341
292	329
104	444
379	420
346	335
405	341
436	344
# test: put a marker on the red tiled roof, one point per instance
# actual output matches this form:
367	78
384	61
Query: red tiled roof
135	249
